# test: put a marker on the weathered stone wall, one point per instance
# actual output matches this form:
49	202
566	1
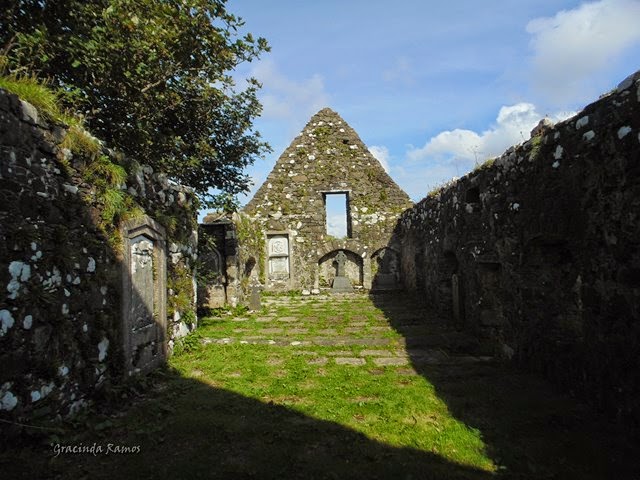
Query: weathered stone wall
539	251
326	157
61	315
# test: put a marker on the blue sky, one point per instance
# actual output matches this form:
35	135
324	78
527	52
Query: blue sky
431	86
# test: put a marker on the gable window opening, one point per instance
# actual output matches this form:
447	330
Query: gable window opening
337	217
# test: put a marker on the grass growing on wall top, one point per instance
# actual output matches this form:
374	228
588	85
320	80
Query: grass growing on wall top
48	101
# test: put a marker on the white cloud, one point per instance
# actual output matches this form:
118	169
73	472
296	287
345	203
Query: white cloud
382	155
512	126
337	225
453	153
284	98
575	44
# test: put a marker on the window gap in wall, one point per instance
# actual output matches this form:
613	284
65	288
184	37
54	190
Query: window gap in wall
338	223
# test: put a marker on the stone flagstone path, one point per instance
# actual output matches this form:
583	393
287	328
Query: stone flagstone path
389	331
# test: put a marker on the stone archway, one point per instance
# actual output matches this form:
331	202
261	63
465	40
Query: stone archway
353	268
385	268
212	278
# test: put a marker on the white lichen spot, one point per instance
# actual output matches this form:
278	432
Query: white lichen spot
54	280
91	267
6	320
35	396
555	164
556	135
85	328
104	290
47	389
103	346
582	122
469	208
311	157
27	322
20	272
515	207
63	371
558	153
65	309
34	246
623	131
588	136
76	281
67	293
8	402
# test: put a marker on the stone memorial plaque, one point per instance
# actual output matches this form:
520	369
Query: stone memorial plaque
144	290
142	282
278	245
279	265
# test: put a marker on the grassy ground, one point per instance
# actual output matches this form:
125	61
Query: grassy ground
335	387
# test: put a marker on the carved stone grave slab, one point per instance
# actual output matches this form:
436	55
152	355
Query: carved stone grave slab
144	292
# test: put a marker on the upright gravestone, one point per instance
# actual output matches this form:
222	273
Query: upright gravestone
341	283
144	287
254	300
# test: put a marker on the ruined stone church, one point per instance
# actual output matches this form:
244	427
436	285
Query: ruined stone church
328	158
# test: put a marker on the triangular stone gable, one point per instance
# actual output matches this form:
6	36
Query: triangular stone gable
327	157
330	155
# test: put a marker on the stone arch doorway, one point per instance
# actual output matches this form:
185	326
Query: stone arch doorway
212	280
353	267
385	268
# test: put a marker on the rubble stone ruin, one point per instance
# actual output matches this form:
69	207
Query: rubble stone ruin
328	159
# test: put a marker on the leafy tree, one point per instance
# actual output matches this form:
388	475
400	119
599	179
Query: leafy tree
152	77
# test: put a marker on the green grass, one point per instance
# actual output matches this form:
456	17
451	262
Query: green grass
244	410
31	90
48	103
402	412
396	411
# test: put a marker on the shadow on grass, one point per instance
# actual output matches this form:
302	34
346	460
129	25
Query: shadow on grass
530	430
188	429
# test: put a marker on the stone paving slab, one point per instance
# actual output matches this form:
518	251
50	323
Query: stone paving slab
388	361
350	361
270	331
375	353
297	331
265	319
288	319
358	324
318	361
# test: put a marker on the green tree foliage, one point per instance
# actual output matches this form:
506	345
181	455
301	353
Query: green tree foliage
152	77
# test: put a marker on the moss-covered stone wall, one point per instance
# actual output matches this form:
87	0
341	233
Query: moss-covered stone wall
538	251
60	263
